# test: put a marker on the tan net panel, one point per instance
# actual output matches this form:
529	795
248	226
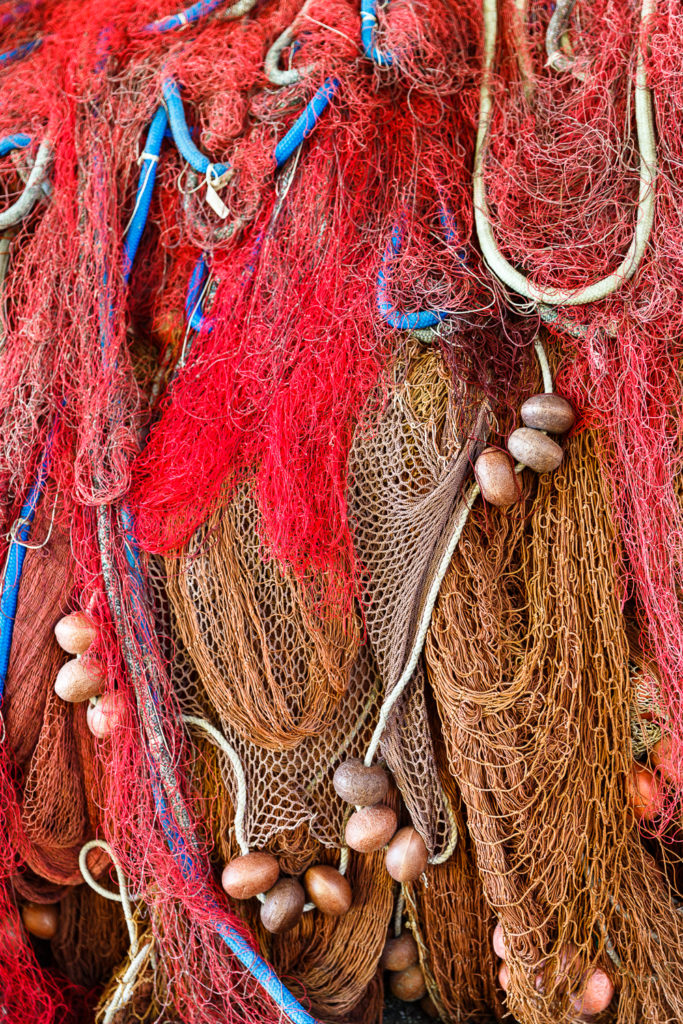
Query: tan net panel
91	936
529	660
49	739
269	665
406	472
453	925
291	785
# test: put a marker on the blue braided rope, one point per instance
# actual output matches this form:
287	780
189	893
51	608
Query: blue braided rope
368	24
193	310
306	122
427	317
143	198
14	565
19	52
11	142
181	135
182	18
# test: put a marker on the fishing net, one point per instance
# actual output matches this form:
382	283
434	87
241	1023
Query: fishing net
54	770
453	924
406	470
584	182
91	936
529	660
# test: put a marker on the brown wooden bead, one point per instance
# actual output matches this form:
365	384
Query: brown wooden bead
407	856
40	919
328	889
360	784
400	953
495	473
371	828
283	907
75	633
548	412
79	680
408	985
429	1007
534	449
247	876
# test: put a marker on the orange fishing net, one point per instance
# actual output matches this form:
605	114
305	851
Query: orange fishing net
529	660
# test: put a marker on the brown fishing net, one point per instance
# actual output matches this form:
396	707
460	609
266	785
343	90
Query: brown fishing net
529	661
49	739
91	936
452	924
406	471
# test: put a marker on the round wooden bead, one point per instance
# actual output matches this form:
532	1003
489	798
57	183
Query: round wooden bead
400	953
75	633
408	985
250	874
360	784
283	906
328	889
104	716
79	680
534	449
499	942
371	828
644	794
548	412
596	994
495	474
40	919
429	1007
407	856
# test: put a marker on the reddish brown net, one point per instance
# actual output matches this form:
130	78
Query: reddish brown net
529	659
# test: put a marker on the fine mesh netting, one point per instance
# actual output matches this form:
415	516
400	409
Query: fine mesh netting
536	722
406	470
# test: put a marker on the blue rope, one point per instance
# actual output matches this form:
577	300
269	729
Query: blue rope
306	122
193	310
425	318
15	564
182	18
181	136
143	198
19	52
368	23
10	142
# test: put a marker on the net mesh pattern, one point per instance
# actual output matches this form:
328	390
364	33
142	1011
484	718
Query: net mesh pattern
529	657
406	471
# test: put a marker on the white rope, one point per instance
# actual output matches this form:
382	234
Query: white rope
240	780
124	989
274	72
121	897
646	194
241	801
28	198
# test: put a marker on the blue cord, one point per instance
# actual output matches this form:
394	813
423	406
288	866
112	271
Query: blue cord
306	122
181	135
193	310
15	563
19	52
182	18
368	23
426	317
143	198
10	142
